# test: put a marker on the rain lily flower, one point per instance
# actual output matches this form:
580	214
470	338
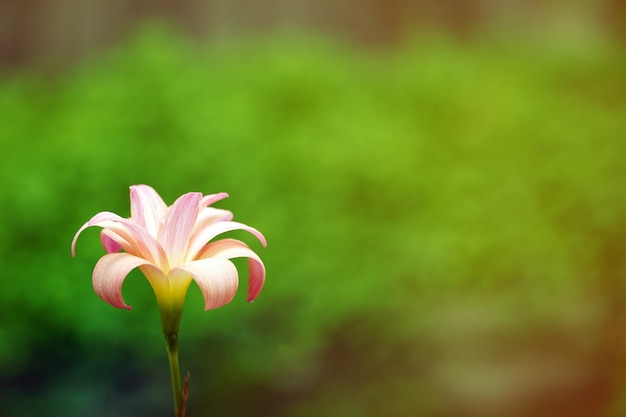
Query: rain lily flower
169	245
173	246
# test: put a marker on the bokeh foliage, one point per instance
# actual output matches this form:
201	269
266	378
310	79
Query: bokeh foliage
419	204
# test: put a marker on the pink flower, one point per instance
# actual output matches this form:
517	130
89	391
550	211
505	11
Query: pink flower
173	246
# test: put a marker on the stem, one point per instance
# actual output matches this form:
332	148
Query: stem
172	353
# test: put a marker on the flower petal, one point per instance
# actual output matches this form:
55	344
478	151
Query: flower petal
87	224
177	227
217	279
202	236
97	218
146	208
109	275
110	241
135	240
232	248
210	215
207	200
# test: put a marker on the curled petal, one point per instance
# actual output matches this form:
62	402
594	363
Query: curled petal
232	248
256	280
207	200
217	279
109	275
210	215
202	236
146	208
95	218
178	224
103	216
134	239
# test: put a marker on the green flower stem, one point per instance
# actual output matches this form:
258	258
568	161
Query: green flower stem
171	309
172	353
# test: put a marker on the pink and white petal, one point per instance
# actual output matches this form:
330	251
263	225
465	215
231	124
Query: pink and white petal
109	275
103	215
232	248
139	242
135	240
110	241
256	280
177	227
207	200
147	208
202	236
210	215
217	279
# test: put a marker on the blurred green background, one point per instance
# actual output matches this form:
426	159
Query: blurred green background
444	204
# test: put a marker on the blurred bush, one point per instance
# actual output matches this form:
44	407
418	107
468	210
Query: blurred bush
445	223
